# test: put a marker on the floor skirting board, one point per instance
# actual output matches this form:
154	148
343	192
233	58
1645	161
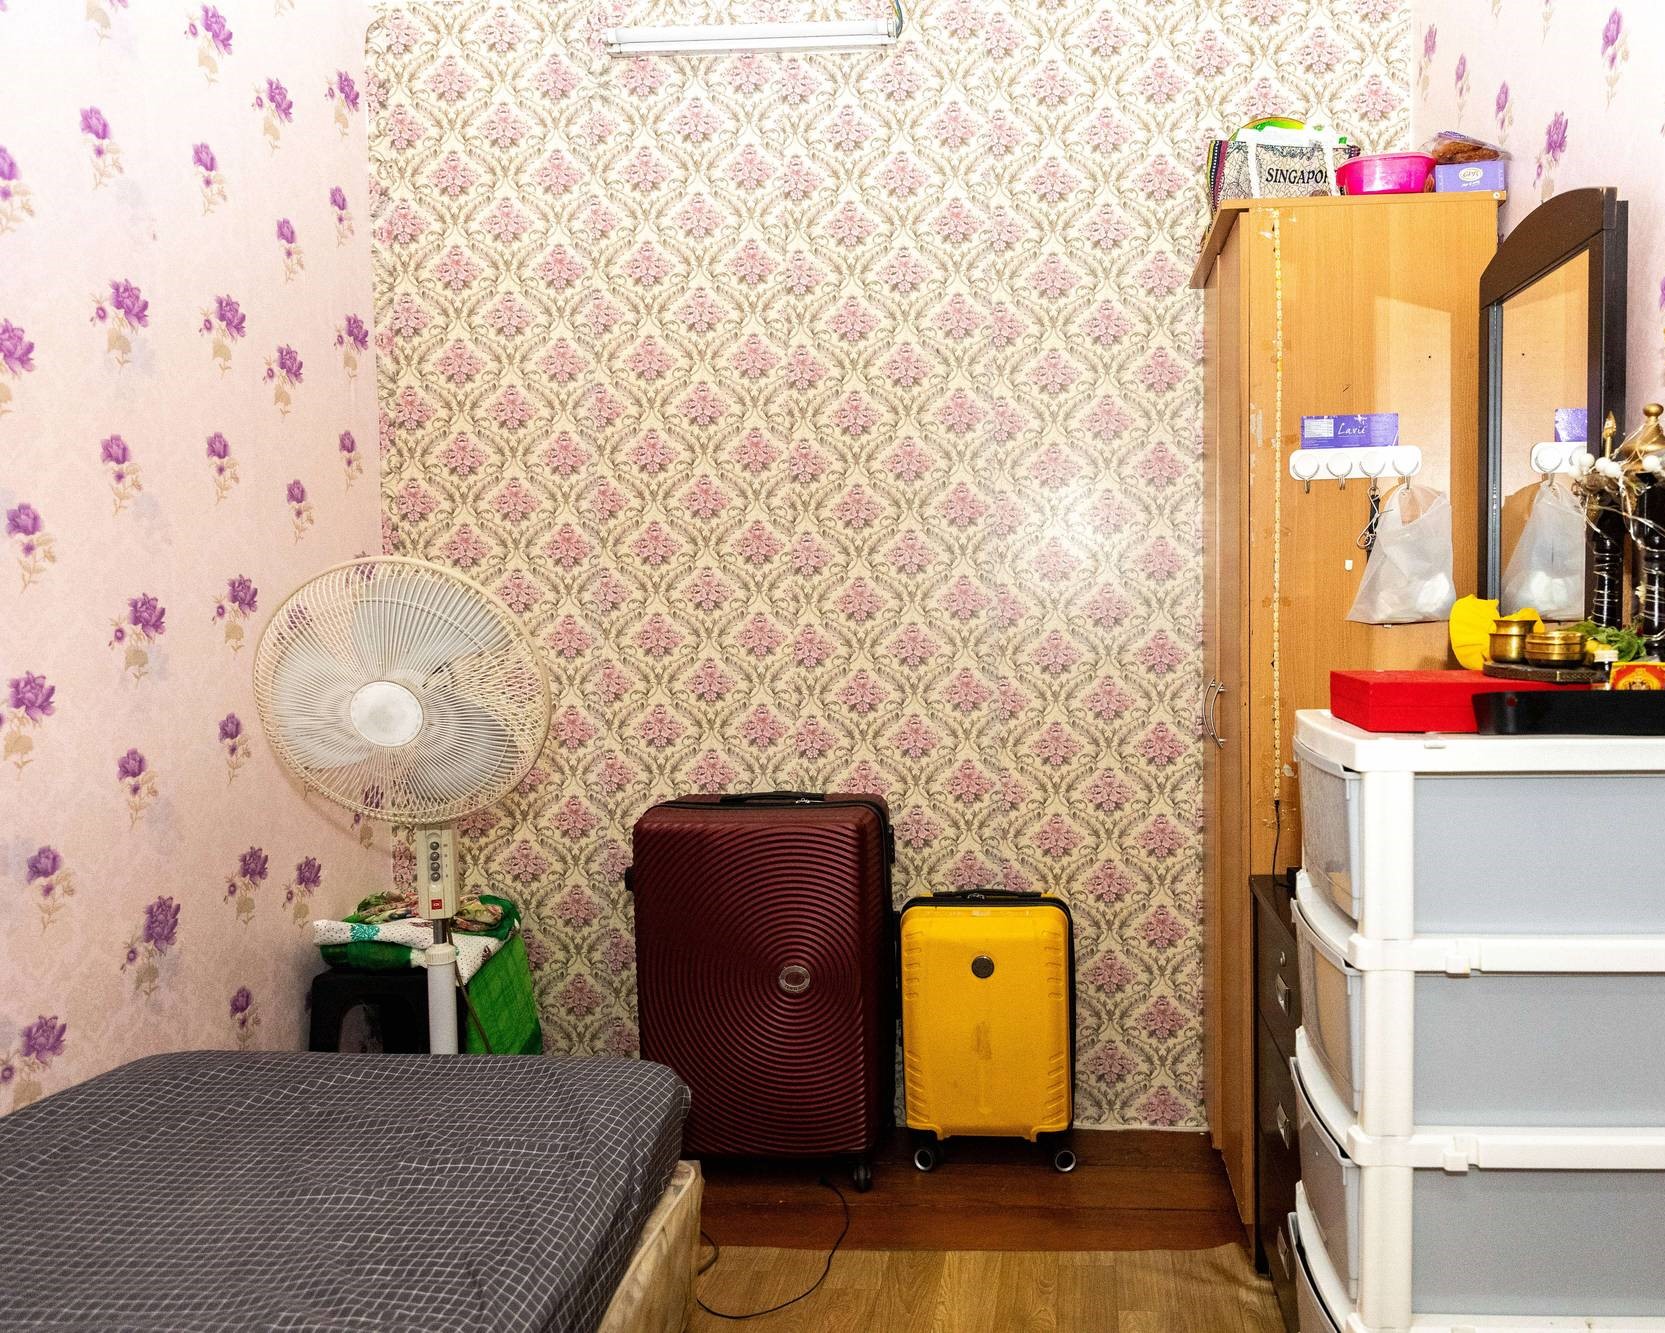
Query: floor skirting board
1133	1190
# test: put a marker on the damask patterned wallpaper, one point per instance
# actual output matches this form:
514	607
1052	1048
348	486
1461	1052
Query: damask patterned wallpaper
1567	87
187	429
833	423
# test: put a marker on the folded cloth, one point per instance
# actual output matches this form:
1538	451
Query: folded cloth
477	914
395	944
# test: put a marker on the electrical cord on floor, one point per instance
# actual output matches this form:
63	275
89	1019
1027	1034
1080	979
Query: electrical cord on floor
716	1253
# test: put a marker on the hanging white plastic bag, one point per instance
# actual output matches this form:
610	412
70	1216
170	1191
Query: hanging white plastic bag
1546	568
1408	576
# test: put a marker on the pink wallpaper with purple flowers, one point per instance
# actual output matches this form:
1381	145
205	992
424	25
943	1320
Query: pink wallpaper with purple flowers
187	398
1574	90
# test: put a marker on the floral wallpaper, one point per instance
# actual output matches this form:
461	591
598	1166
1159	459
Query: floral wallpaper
1568	87
833	423
185	408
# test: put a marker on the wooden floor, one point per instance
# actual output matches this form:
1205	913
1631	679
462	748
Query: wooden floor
873	1291
1134	1190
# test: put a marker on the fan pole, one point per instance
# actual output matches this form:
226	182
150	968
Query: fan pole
440	958
437	900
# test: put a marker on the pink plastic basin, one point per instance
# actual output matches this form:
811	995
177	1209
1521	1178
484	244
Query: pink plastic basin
1386	173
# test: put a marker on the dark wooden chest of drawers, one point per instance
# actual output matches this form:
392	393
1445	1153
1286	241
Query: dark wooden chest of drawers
1277	1015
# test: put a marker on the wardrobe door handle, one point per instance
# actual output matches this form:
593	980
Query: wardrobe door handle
1208	707
1214	723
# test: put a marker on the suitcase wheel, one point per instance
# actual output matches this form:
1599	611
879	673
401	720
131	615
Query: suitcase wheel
861	1176
925	1157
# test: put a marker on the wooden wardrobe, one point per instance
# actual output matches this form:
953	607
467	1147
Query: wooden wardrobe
1379	313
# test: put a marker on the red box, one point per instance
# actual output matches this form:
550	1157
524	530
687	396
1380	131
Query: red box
1419	700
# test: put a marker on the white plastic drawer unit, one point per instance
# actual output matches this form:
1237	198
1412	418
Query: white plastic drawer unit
1504	1041
1313	1316
1535	1223
1330	1182
1481	834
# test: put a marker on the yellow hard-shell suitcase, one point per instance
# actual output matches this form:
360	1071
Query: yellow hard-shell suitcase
988	1020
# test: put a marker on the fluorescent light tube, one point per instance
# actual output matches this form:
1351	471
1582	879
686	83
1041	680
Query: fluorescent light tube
731	38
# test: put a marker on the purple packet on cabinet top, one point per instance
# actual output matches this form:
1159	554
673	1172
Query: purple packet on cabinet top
1462	177
1572	425
1369	430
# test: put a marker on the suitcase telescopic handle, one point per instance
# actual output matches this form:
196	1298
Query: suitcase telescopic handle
815	798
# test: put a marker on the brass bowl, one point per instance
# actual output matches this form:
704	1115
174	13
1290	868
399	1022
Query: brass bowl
1515	629
1556	647
1508	647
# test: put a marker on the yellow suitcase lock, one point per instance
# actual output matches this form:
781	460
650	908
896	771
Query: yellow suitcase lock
988	1020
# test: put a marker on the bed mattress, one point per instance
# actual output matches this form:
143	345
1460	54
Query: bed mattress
221	1190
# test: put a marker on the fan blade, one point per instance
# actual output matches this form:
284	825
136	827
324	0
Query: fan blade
404	620
311	690
321	748
466	749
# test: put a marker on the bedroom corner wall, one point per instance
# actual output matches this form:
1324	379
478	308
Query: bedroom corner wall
187	429
1571	88
833	423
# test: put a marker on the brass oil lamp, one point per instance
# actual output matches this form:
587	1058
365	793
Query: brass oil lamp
1602	489
1641	460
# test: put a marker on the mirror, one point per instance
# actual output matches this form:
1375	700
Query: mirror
1552	344
1545	368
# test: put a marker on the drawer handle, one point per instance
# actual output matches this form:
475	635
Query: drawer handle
1283	1127
1281	988
1284	1256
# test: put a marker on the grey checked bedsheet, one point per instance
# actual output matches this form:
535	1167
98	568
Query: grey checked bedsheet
226	1190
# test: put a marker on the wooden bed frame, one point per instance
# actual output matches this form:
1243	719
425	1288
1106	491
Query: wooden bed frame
656	1294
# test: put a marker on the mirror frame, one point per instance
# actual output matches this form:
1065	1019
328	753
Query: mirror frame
1594	221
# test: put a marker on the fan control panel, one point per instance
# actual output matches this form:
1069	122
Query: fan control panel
436	872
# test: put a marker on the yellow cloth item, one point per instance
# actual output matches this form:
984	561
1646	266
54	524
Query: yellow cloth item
1472	619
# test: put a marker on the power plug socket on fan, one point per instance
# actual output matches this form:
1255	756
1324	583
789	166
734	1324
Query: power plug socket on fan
436	872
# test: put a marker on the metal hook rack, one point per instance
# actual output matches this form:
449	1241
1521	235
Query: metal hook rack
1370	462
1563	458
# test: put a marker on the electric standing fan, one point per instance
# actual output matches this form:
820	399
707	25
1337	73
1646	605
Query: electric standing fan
408	693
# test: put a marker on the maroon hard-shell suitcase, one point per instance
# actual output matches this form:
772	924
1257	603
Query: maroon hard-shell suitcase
764	973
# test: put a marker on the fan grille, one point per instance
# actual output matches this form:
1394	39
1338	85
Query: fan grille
457	650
